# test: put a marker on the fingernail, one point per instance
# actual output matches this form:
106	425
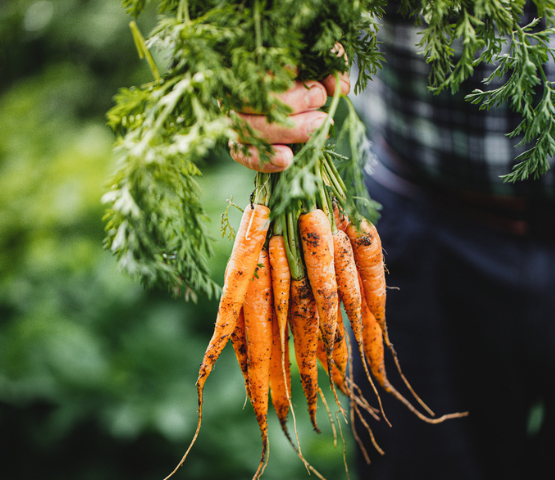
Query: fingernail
316	96
315	124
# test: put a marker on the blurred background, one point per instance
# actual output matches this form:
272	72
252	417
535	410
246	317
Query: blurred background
97	375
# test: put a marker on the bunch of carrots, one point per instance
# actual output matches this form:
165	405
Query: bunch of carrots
288	276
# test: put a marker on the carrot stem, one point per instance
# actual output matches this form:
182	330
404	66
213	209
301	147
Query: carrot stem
293	246
335	180
263	188
324	198
277	226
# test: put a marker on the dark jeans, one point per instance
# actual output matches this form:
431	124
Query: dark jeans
471	312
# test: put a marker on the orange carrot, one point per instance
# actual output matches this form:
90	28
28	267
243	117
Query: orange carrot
258	310
280	377
239	342
304	325
349	288
367	249
347	283
240	269
317	244
347	279
340	349
281	281
280	387
281	287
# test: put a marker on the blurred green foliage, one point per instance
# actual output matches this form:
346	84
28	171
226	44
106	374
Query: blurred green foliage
97	375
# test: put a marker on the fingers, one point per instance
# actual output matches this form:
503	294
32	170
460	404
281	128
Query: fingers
281	158
278	136
303	125
302	97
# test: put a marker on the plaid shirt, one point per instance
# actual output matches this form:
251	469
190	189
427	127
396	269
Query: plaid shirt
444	138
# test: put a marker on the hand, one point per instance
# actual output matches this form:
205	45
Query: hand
304	98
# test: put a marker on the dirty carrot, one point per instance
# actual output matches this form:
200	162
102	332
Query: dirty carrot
367	249
340	349
349	289
240	269
239	342
281	285
258	311
281	281
317	244
280	378
304	326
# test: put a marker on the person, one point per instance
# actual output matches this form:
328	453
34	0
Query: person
471	261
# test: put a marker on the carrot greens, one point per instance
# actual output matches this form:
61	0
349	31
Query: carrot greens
224	55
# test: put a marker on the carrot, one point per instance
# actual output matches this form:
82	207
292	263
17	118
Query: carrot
374	349
340	349
280	376
367	249
240	269
304	326
317	244
258	310
280	388
348	285
239	342
350	291
281	287
281	282
347	281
